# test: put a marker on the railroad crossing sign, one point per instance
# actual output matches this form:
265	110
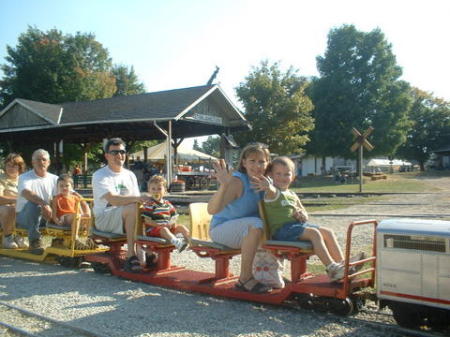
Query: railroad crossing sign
361	142
361	139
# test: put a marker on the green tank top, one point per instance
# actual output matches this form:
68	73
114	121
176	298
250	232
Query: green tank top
280	211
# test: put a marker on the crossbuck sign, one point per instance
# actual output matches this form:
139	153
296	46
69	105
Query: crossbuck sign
360	143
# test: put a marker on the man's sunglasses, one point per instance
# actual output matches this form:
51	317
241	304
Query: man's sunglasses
116	152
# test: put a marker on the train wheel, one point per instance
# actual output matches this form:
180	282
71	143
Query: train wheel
341	307
100	268
358	303
306	301
70	262
438	319
407	315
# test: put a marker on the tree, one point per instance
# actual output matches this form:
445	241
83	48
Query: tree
211	146
54	68
430	127
358	87
195	146
127	82
276	107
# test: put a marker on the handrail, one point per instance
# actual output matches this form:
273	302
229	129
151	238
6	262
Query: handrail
372	259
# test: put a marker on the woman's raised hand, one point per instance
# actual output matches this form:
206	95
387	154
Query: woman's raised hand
222	172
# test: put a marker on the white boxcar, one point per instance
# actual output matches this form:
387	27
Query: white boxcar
413	270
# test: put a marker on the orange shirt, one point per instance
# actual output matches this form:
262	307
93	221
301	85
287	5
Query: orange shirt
66	205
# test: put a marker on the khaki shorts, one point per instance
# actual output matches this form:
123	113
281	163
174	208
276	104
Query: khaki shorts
110	220
231	232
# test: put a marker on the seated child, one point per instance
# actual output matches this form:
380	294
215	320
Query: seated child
287	217
160	216
65	202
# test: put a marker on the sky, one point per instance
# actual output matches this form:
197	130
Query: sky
178	43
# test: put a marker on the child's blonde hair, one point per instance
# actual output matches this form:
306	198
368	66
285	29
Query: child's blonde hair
283	160
157	180
250	149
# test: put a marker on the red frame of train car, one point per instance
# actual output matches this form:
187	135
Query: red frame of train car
222	282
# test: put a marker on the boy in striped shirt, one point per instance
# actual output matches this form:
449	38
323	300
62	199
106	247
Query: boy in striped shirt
160	216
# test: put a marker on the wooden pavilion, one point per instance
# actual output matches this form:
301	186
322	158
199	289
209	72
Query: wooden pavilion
172	114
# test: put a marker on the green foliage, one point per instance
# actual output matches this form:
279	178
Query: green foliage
358	87
53	68
277	108
127	82
195	146
430	129
211	146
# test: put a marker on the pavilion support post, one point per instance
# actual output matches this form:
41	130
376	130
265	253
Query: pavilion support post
145	151
61	156
85	161
57	150
169	153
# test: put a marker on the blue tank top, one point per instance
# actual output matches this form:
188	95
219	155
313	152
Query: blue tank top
244	206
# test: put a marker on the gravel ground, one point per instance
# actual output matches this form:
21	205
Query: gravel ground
116	307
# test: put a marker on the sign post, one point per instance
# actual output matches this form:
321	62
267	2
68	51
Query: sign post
360	143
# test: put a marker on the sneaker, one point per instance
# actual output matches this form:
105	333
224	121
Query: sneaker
36	243
354	269
9	243
20	241
180	244
335	271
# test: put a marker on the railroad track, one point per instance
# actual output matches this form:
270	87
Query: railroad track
384	321
15	322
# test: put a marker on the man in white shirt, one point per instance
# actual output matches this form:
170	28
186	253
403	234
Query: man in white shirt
116	194
35	190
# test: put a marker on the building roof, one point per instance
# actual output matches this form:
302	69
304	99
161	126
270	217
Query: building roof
195	111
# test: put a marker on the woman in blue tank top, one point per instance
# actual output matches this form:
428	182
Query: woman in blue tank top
234	206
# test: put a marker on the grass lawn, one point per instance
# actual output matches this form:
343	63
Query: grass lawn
395	183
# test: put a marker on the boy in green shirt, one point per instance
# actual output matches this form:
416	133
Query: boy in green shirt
287	217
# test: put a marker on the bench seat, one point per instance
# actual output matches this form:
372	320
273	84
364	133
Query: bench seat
209	244
108	235
305	246
55	226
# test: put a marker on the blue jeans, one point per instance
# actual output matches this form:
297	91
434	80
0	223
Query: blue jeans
30	218
291	231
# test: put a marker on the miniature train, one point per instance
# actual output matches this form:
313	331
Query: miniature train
409	265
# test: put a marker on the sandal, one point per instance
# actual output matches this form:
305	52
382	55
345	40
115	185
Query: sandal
132	265
151	260
257	288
